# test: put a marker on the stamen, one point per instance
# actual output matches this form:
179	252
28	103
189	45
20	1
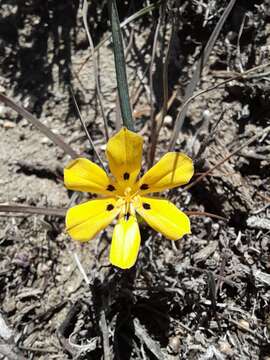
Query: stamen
146	206
144	187
126	176
110	207
110	187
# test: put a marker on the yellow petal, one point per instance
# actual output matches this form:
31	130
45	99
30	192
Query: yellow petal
124	153
84	221
83	175
172	170
164	217
125	243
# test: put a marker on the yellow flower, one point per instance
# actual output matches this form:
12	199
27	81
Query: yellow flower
124	196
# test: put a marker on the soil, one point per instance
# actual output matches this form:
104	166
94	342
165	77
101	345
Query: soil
204	297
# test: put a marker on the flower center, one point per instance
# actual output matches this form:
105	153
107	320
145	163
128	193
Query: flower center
126	202
128	192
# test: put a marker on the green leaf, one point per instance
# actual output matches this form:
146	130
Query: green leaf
120	66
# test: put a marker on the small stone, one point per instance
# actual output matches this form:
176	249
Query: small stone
206	115
173	347
24	123
21	259
167	120
5	332
42	269
244	324
2	110
225	348
9	306
46	141
8	124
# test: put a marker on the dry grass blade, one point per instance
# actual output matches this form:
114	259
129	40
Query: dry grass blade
81	269
165	81
246	143
95	65
236	76
151	344
196	75
159	118
32	210
203	213
86	131
57	140
210	136
151	71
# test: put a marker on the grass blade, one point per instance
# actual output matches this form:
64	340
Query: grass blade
86	131
197	73
56	139
95	66
32	210
120	66
128	20
151	84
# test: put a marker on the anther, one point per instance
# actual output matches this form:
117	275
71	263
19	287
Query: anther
110	207
146	206
126	176
110	188
144	187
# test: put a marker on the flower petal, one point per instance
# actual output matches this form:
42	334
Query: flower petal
164	217
125	243
172	170
83	175
84	221
124	153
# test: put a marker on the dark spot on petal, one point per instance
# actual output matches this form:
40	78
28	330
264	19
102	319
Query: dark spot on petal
110	207
126	176
146	206
127	215
144	187
110	188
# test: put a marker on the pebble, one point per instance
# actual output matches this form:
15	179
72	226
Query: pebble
225	348
244	324
42	269
173	347
167	120
24	123
46	141
2	110
9	306
8	124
